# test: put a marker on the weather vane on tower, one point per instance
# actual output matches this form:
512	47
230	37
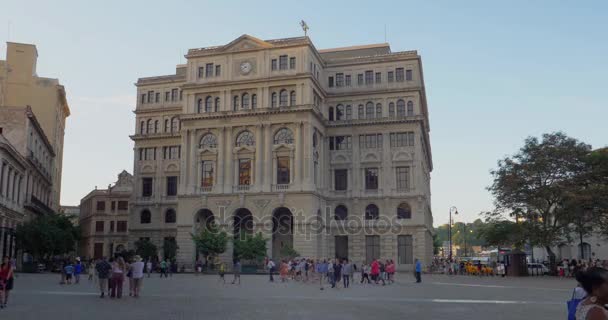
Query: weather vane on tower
304	27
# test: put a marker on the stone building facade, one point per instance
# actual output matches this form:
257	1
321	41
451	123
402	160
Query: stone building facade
20	85
326	151
104	219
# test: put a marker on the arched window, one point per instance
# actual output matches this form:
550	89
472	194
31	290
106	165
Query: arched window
331	113
142	127
208	104
340	213
372	212
404	211
208	141
292	98
349	112
145	217
199	105
170	216
339	112
167	128
156	126
400	108
149	127
217	104
391	109
283	98
235	103
410	108
369	110
273	100
245	138
174	124
378	111
254	101
361	112
283	136
245	100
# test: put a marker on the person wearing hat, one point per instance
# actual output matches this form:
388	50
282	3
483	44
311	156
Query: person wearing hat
137	275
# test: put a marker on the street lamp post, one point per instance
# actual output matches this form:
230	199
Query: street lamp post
452	208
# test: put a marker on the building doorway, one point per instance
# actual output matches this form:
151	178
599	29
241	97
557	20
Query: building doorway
341	245
282	231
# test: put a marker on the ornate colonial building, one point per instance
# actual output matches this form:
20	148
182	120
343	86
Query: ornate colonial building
103	220
326	151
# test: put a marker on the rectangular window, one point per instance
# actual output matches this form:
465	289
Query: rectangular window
347	80
99	226
405	252
292	63
369	77
283	170
207	174
218	70
402	176
408	75
339	80
121	226
273	64
111	226
123	205
113	206
341	179
157	98
372	248
371	179
201	71
209	70
390	76
360	79
402	139
181	95
148	154
143	98
330	82
244	172
399	74
173	94
370	141
101	206
172	186
378	77
167	96
146	187
283	62
171	152
340	143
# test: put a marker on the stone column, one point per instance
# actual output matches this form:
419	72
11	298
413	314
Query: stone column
259	183
308	167
298	165
220	159
268	173
228	146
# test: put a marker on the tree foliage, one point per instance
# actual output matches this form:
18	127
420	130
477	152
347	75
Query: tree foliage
503	233
250	247
170	248
288	252
210	241
47	235
145	249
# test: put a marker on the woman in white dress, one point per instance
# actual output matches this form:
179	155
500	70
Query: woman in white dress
595	282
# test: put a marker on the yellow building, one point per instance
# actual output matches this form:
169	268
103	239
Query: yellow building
20	86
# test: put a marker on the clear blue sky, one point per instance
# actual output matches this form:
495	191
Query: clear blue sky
495	72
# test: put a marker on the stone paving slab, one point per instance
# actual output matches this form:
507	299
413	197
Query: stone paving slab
186	296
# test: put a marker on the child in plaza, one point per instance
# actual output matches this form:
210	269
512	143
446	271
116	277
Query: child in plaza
69	272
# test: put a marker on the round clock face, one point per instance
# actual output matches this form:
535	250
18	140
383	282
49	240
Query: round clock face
245	67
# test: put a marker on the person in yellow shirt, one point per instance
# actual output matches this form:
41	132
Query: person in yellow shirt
222	272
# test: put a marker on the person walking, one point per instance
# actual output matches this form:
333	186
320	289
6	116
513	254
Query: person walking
149	267
163	268
594	281
222	272
118	277
347	272
337	273
375	271
69	272
103	269
6	281
321	271
78	269
270	267
365	273
330	273
418	271
137	275
91	270
236	270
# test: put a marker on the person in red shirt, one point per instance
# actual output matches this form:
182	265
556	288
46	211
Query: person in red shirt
6	281
375	270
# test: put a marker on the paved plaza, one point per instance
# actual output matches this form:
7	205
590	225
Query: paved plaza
39	296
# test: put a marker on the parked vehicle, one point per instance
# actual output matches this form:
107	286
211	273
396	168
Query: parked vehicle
537	269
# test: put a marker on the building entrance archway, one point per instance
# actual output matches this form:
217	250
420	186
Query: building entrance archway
282	231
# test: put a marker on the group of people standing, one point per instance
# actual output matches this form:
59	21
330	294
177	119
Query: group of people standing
112	274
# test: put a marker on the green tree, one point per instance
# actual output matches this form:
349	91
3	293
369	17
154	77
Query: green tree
170	248
47	235
146	249
597	183
210	241
533	184
503	233
288	252
436	244
250	247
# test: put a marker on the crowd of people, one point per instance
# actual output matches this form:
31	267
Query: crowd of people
462	267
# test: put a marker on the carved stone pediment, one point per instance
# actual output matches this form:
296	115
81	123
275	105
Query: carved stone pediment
246	42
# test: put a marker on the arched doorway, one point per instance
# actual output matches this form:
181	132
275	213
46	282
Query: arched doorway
243	223
584	251
203	220
282	231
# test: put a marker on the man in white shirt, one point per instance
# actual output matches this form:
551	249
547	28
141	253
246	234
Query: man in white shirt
271	269
137	274
149	267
